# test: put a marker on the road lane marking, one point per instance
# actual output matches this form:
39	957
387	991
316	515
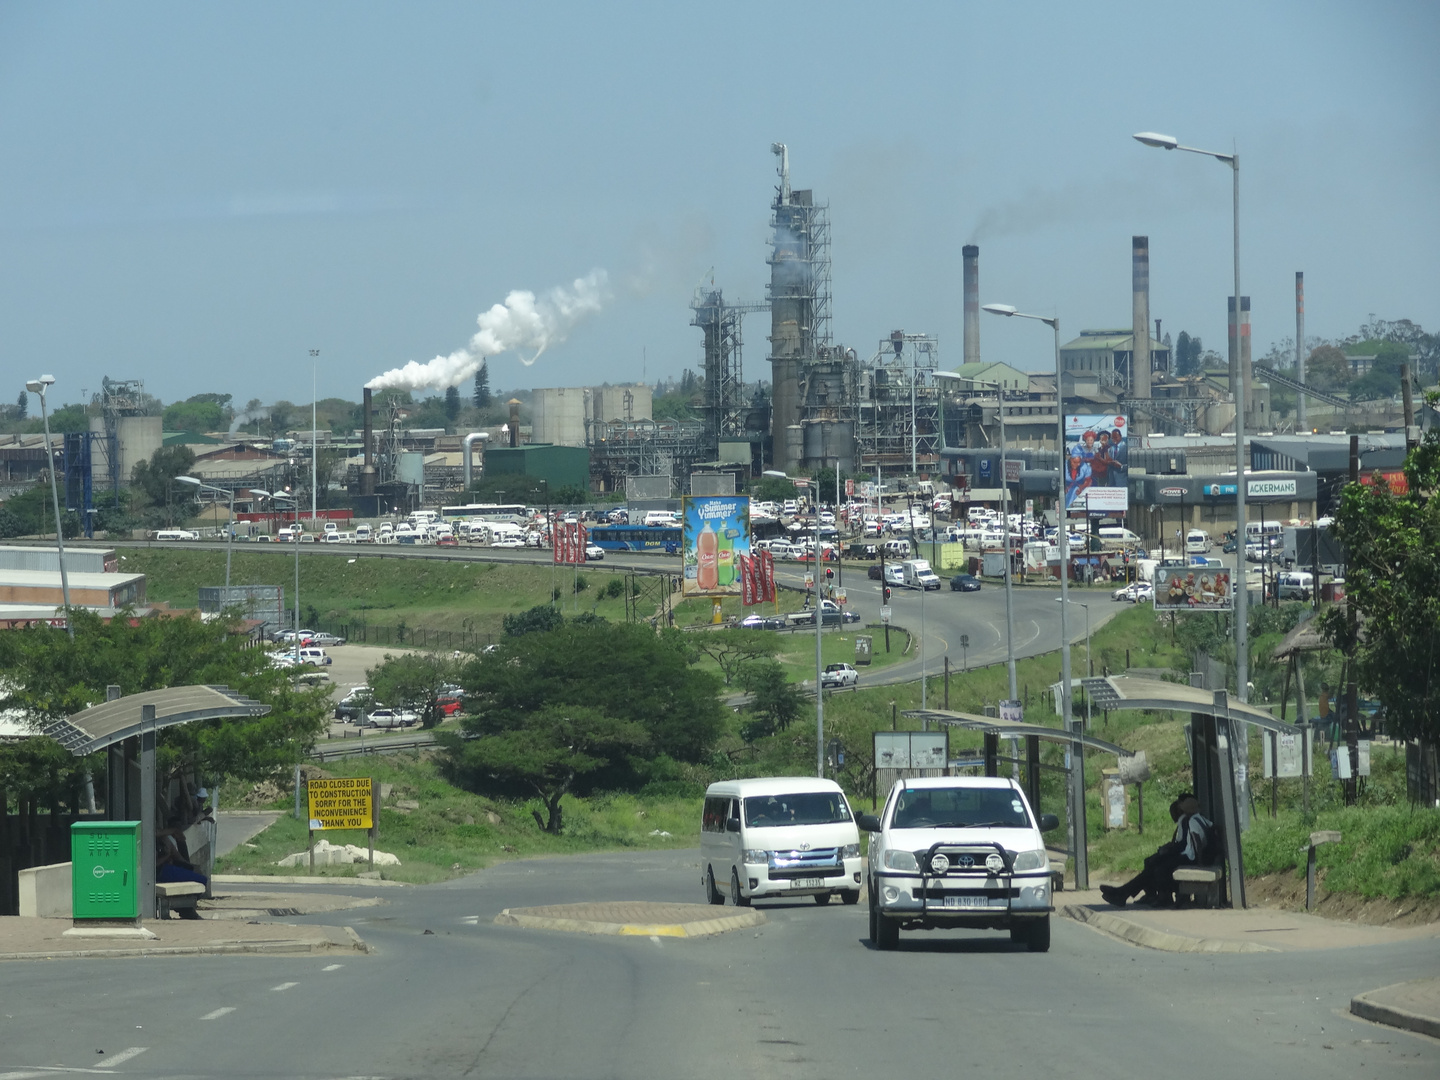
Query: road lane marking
122	1057
332	967
282	986
218	1013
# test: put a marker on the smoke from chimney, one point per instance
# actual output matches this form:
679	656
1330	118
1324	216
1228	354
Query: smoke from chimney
970	254
521	322
1140	288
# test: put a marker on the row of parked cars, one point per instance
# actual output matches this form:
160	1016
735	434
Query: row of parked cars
945	852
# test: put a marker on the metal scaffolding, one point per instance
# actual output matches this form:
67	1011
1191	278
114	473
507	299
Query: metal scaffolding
897	406
726	405
644	448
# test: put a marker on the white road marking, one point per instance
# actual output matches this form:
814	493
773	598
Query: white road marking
471	920
122	1057
332	967
218	1013
283	986
20	1075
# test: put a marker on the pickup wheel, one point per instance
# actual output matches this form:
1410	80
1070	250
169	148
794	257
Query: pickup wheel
1033	934
822	899
739	899
850	896
887	932
712	894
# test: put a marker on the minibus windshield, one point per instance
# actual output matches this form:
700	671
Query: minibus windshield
799	808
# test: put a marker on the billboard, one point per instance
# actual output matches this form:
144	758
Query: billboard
1097	463
715	535
1193	588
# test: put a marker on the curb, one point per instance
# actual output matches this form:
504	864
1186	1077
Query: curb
1363	1006
266	879
1149	938
292	947
702	928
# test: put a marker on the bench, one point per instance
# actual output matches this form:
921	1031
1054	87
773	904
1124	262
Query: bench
1202	883
177	895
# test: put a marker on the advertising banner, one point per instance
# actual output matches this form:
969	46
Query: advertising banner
1097	463
715	534
570	541
1192	588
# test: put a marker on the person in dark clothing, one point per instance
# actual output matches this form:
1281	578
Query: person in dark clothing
1188	848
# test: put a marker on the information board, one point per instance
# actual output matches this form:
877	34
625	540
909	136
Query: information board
342	803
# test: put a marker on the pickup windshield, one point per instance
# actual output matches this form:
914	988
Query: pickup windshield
801	808
926	808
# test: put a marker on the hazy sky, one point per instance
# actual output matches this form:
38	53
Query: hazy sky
196	195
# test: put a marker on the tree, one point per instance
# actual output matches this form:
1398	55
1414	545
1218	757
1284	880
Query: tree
22	405
452	403
732	649
775	702
1392	579
481	399
48	677
154	483
624	671
414	681
194	415
33	514
1327	369
549	750
1188	351
536	620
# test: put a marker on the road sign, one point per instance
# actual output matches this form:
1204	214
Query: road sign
850	487
885	613
342	803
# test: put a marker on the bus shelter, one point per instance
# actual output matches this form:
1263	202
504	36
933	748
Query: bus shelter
1077	742
125	728
1217	747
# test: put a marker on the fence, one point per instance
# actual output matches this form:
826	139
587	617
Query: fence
414	637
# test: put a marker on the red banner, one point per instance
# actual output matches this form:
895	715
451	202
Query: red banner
569	543
765	580
747	580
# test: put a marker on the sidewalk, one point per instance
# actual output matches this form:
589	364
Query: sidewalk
1414	1006
43	939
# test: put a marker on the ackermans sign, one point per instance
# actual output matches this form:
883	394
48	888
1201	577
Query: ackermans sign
1266	488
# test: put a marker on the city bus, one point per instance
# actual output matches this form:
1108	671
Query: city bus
493	513
664	538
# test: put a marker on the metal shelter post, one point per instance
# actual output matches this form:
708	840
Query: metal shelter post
147	812
1228	791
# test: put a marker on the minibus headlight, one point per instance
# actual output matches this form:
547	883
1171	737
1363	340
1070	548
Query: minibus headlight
755	857
850	851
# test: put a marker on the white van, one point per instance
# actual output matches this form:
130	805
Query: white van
897	549
779	836
660	517
362	534
1295	585
1197	542
177	534
1117	536
1267	532
316	656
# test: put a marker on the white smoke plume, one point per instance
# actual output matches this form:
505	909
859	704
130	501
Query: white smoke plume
522	322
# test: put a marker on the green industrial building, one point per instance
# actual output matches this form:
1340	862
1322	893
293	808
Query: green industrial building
559	466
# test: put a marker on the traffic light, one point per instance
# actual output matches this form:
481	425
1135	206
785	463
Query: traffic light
830	573
887	594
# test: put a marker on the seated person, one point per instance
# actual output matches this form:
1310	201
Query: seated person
1193	832
172	865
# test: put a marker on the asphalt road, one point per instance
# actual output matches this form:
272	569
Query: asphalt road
802	996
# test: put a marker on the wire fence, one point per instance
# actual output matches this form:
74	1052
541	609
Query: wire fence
414	637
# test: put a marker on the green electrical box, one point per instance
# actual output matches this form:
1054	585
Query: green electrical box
105	869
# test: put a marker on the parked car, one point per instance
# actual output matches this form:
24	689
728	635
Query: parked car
391	718
839	675
959	852
353	705
447	540
326	641
964	583
307	637
507	542
875	572
316	656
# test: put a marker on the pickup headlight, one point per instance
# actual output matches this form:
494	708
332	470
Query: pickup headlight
755	857
850	851
1032	860
900	860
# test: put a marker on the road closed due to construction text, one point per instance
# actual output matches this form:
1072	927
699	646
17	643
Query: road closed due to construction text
343	803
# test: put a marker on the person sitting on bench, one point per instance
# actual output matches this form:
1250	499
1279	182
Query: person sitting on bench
1191	844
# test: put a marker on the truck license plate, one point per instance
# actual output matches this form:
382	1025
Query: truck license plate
807	883
967	901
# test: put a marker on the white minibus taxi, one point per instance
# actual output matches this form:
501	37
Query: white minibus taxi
779	836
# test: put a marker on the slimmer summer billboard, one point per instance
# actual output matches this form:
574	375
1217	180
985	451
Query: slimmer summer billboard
716	532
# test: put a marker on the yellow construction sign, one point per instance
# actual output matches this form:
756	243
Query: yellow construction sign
343	803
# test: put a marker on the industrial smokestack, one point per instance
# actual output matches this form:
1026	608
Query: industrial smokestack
1140	288
1240	354
367	468
970	255
514	424
1300	422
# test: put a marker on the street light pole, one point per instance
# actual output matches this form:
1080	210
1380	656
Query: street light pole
819	627
230	541
314	432
40	386
1077	748
1237	383
294	501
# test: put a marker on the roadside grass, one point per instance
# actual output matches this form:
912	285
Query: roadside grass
455	832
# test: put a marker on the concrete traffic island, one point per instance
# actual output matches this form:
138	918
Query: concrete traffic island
23	938
632	918
1413	1006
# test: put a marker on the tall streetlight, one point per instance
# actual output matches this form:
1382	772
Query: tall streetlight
1237	386
314	431
819	627
40	386
1005	514
230	541
293	500
1077	774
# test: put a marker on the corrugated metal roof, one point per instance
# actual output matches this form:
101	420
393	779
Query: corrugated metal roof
111	722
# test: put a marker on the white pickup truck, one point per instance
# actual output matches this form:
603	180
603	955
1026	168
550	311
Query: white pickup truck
839	675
